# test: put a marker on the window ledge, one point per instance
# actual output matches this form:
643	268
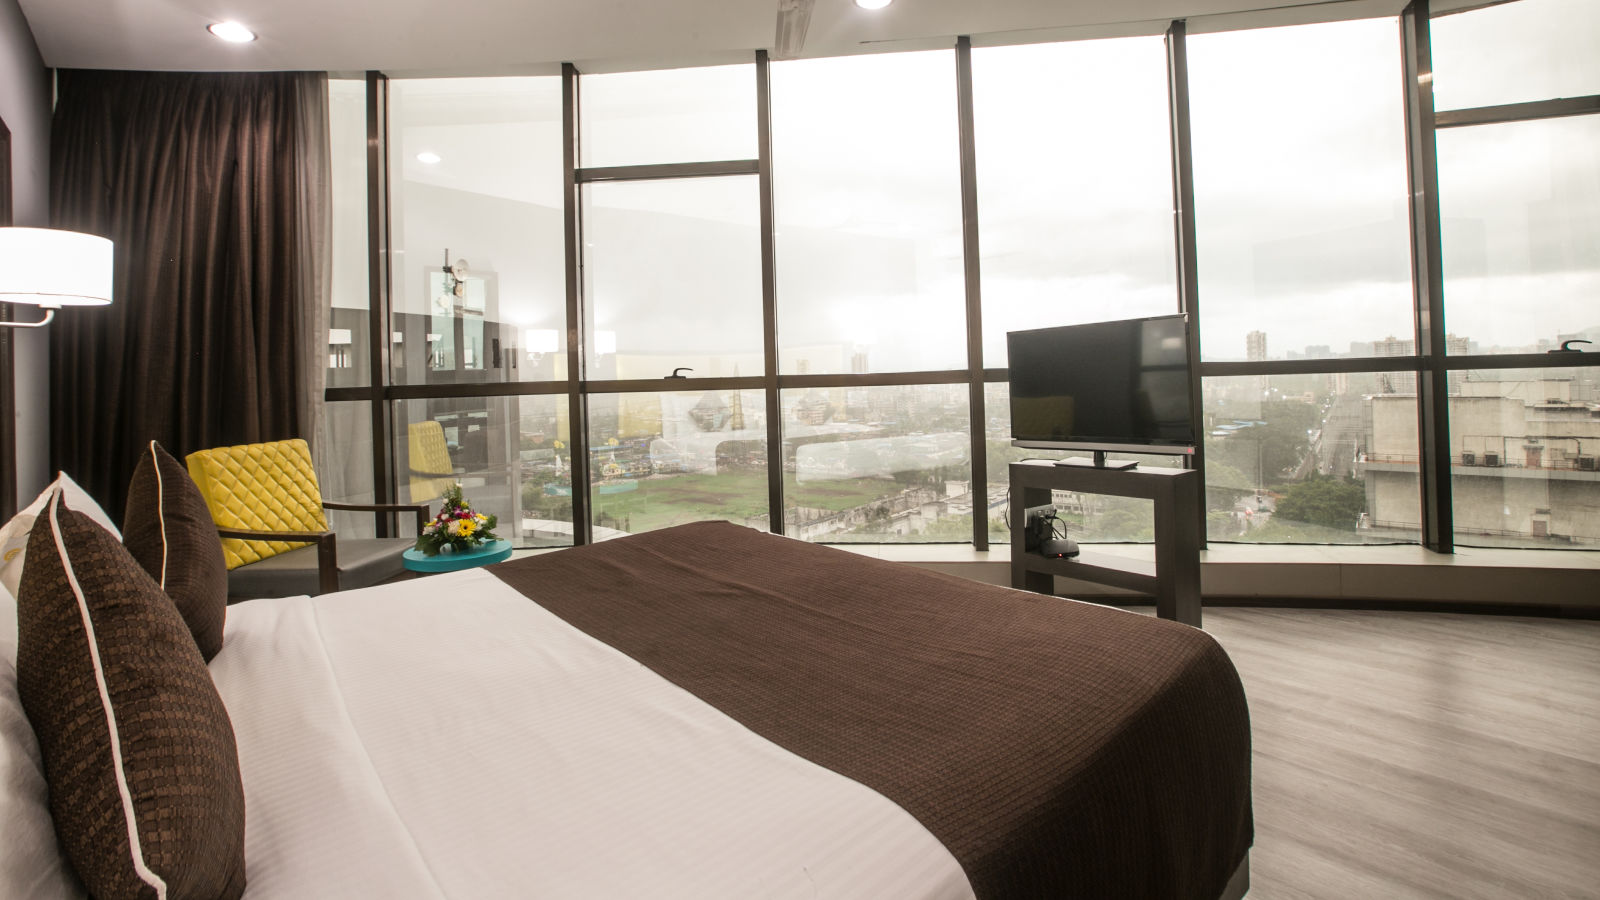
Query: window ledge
1562	581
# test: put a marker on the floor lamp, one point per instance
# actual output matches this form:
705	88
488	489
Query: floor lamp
47	268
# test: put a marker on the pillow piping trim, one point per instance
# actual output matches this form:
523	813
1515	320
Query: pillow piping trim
140	868
161	511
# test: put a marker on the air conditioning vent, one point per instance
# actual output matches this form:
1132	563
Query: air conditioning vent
1491	459
1468	458
1588	464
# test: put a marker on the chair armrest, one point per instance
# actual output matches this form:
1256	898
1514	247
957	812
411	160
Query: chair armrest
421	509
327	550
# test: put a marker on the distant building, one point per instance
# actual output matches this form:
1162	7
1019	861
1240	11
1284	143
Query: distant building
1406	382
1255	346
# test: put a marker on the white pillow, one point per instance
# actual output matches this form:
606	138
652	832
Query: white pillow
8	628
31	864
14	536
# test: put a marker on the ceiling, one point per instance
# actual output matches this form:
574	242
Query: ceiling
403	37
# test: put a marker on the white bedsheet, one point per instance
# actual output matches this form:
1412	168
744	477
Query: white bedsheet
445	737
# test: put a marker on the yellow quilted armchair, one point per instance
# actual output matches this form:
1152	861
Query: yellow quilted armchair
270	517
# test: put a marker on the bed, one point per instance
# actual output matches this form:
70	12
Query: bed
709	711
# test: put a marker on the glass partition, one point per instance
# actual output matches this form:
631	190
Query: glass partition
1520	207
1074	185
1525	457
672	271
509	454
662	459
1312	459
477	225
668	116
868	192
885	464
349	354
1301	196
1515	52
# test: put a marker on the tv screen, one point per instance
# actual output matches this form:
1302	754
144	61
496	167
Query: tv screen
1103	386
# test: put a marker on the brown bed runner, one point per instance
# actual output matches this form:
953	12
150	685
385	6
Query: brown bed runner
1057	749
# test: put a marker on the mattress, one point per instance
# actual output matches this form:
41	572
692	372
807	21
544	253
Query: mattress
707	711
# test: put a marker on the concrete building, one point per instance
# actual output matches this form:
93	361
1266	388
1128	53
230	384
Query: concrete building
1525	463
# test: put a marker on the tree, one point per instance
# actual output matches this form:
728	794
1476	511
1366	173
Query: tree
1271	449
1324	500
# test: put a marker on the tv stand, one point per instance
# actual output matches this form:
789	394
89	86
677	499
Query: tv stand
1174	581
1099	462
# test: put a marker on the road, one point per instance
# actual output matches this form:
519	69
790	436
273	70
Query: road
1335	449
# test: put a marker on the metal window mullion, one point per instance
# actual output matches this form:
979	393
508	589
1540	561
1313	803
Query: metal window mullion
1422	172
974	294
379	293
661	171
577	398
769	295
1518	112
1184	241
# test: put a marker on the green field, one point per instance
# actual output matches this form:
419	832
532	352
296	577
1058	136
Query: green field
738	495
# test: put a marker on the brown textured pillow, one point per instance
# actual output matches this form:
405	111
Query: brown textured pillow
137	747
168	529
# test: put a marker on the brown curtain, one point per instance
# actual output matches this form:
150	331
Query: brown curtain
200	182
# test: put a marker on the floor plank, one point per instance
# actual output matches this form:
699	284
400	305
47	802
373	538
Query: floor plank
1420	755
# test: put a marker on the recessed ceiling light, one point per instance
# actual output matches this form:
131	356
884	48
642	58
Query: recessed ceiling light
428	158
232	32
873	4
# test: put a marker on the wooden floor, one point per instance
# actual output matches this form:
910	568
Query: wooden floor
1402	755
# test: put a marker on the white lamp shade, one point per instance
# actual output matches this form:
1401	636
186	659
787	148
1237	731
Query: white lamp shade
47	267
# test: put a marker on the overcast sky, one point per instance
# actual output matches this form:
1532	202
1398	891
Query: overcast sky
1301	191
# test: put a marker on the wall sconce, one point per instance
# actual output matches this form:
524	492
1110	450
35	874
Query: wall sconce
540	341
50	268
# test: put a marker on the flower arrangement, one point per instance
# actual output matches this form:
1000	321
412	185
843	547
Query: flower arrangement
456	528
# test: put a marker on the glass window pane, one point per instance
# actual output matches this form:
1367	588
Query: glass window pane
1524	451
477	178
673	275
670	116
663	459
877	464
1515	52
1090	518
1519	205
509	455
868	194
1074	227
343	457
1300	189
349	363
1312	459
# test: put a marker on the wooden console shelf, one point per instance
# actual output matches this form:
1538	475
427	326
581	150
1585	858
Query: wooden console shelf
1174	580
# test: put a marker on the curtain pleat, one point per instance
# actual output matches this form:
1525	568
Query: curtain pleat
199	180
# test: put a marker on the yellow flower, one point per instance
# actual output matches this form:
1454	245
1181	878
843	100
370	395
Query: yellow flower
467	527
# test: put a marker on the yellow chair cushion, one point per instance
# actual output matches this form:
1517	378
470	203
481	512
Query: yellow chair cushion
259	487
429	457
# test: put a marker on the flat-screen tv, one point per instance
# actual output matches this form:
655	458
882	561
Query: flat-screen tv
1105	386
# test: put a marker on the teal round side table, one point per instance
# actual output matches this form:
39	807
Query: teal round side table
492	552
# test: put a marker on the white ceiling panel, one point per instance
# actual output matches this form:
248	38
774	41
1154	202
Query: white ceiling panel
499	36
